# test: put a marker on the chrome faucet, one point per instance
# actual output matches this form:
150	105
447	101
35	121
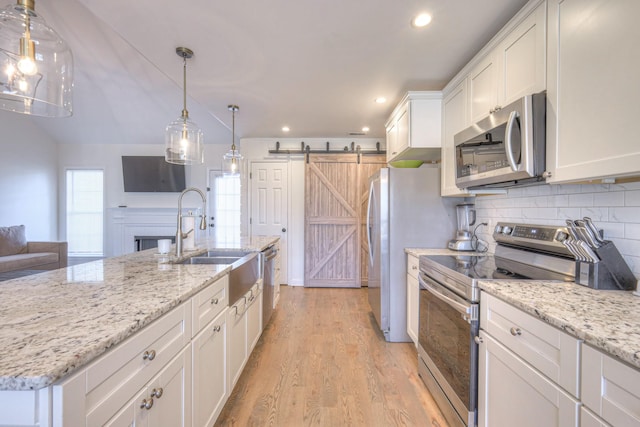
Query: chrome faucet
203	221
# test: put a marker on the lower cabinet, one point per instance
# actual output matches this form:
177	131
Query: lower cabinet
610	390
413	293
210	381
244	320
254	317
513	393
162	401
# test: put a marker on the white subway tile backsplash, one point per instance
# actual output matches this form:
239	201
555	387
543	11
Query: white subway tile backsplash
632	198
595	188
632	231
612	198
627	214
558	201
595	213
567	213
612	230
581	200
536	214
627	186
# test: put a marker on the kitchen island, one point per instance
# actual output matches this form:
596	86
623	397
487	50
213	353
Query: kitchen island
55	323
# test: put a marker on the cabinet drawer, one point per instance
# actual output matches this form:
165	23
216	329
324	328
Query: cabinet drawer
413	265
117	376
210	302
610	388
549	350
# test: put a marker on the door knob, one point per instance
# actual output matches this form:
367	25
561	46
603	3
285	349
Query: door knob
284	230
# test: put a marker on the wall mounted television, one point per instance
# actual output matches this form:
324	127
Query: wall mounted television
152	174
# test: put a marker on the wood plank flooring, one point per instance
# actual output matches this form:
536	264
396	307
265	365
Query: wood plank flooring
322	361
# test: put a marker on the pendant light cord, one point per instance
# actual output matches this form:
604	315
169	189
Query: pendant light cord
185	113
233	131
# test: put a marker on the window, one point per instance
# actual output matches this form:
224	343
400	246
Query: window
225	207
85	202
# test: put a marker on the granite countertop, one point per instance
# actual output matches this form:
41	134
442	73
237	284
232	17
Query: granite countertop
607	320
55	322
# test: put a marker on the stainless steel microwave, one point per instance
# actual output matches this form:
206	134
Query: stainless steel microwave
505	149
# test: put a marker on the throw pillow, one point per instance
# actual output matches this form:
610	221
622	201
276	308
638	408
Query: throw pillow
13	240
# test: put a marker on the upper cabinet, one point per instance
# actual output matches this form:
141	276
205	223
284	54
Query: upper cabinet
454	119
514	68
593	62
413	130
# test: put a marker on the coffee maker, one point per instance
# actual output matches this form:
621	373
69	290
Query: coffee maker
466	214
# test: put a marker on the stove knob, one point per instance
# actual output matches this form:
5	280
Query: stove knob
562	236
506	229
498	229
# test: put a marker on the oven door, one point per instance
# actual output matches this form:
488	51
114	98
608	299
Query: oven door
448	353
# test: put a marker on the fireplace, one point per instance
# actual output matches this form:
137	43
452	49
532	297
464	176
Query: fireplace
140	243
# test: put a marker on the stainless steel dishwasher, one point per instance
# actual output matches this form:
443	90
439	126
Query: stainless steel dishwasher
268	292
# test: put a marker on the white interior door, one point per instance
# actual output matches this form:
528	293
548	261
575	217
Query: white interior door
269	204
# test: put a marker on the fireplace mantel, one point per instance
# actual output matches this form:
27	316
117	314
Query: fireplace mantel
124	224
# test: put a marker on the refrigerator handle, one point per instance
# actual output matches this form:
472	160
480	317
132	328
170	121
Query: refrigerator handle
369	223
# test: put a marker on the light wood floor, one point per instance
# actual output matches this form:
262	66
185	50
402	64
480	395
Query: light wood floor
322	361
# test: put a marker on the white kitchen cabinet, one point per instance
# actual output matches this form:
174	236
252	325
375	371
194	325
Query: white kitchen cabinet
237	342
610	389
162	401
413	296
513	393
593	105
277	277
588	419
455	118
413	130
516	67
254	316
210	381
528	370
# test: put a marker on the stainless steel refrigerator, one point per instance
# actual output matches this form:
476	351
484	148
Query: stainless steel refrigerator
405	211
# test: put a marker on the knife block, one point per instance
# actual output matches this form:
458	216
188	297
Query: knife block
612	272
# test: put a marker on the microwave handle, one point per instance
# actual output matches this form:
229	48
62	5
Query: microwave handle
513	116
458	306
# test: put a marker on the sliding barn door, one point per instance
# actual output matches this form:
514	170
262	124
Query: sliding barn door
368	166
332	212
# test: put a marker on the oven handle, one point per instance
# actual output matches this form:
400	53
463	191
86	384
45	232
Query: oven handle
441	293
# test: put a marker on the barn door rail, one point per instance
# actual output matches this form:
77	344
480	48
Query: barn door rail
306	150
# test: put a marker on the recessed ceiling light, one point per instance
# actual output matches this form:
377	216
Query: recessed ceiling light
381	100
421	20
365	129
285	129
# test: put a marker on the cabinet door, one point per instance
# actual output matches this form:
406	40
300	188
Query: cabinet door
521	58
254	317
210	382
412	308
512	393
593	105
610	388
402	125
237	342
587	419
483	88
392	140
454	119
171	391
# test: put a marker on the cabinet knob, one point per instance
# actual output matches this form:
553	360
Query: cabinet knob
515	331
214	300
157	392
216	328
149	355
478	340
146	404
547	174
414	267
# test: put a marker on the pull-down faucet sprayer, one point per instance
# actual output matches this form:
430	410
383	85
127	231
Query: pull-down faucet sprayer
203	221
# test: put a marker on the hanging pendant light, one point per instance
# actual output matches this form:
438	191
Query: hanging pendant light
183	138
232	161
36	65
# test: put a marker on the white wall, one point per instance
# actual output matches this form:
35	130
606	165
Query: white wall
28	177
255	149
615	208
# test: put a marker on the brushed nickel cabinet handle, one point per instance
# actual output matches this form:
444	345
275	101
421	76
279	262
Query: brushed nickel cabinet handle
214	301
157	392
515	331
149	355
216	328
146	404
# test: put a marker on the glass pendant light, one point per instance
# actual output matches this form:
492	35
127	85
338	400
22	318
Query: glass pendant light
232	161
36	65
183	138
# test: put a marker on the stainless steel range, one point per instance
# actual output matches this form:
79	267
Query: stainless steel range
449	307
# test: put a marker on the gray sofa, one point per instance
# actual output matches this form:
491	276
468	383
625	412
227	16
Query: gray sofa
18	254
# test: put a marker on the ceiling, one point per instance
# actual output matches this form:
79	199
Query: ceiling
315	66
